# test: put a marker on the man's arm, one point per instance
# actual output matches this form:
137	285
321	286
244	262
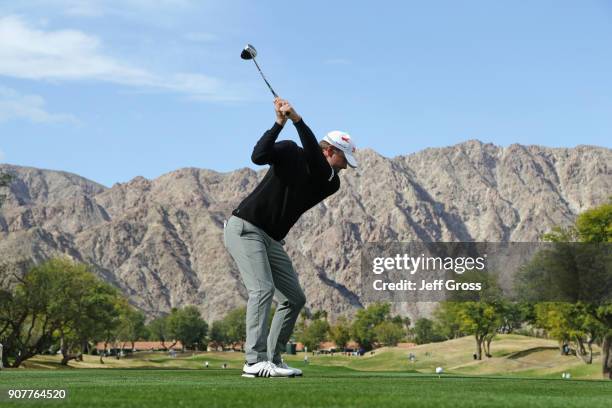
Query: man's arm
264	152
317	162
314	156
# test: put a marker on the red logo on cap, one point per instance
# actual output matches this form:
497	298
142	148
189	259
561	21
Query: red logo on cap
345	138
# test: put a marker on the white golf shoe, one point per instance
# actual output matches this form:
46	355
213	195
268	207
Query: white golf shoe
266	369
296	371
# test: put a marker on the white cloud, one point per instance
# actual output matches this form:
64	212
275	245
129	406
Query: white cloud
31	53
99	8
66	54
14	105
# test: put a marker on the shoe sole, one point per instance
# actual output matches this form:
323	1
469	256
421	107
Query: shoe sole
247	375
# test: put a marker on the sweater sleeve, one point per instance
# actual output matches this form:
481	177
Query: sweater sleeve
264	151
317	162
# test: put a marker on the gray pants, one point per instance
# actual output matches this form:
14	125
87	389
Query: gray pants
267	272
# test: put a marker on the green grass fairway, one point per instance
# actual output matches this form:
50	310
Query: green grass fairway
320	387
513	356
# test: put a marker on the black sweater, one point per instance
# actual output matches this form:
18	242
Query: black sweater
298	179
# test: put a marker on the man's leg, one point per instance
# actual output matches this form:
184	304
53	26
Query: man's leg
290	298
247	245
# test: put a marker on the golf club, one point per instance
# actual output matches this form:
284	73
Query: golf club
249	52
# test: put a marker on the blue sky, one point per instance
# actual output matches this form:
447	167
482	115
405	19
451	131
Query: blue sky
115	89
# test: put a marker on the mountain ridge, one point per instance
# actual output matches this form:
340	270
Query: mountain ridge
160	240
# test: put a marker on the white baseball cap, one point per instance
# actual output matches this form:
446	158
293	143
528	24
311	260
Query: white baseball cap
343	142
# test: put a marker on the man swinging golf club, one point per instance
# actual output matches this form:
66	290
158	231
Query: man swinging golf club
298	179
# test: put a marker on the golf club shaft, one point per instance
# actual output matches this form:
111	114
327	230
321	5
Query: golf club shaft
264	78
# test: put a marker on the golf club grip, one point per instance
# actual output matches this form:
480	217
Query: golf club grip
269	86
276	96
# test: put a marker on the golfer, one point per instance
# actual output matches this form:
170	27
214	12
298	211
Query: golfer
298	179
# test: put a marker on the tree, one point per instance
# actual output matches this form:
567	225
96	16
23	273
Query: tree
26	326
583	276
447	320
109	319
187	326
389	333
158	330
314	334
604	315
402	321
80	303
319	314
554	273
235	323
482	320
551	317
479	313
595	225
513	315
231	329
102	316
366	320
570	323
424	332
57	300
131	324
340	332
218	333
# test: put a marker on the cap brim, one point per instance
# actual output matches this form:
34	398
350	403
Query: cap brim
350	160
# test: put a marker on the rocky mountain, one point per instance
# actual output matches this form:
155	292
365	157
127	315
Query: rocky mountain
161	240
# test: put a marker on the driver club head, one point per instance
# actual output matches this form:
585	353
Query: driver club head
249	52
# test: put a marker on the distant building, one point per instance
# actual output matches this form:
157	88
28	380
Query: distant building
406	345
330	347
214	346
126	346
